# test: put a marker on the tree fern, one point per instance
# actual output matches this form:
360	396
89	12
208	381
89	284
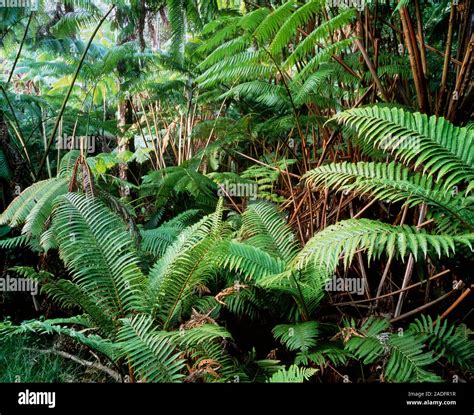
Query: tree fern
298	19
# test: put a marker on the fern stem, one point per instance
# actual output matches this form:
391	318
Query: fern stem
68	94
304	312
421	308
455	304
21	47
409	268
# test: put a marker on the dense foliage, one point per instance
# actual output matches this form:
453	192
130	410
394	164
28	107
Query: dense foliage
237	191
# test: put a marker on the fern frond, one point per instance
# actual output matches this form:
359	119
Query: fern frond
69	295
306	47
441	148
56	326
446	339
149	351
263	227
185	263
107	265
392	183
156	241
349	236
253	263
274	21
369	345
21	207
293	374
15	242
298	19
407	360
300	336
312	85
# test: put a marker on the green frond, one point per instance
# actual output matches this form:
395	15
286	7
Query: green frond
270	95
15	242
250	302
298	19
108	265
73	22
307	287
149	351
314	84
293	374
264	228
447	340
254	19
249	261
274	21
226	50
322	354
391	183
350	236
205	344
67	163
300	336
214	353
56	326
156	241
230	28
306	47
185	264
70	295
177	18
434	143
323	56
241	67
195	336
31	199
370	344
408	359
163	184
39	214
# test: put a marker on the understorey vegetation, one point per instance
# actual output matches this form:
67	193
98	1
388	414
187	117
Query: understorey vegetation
236	191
